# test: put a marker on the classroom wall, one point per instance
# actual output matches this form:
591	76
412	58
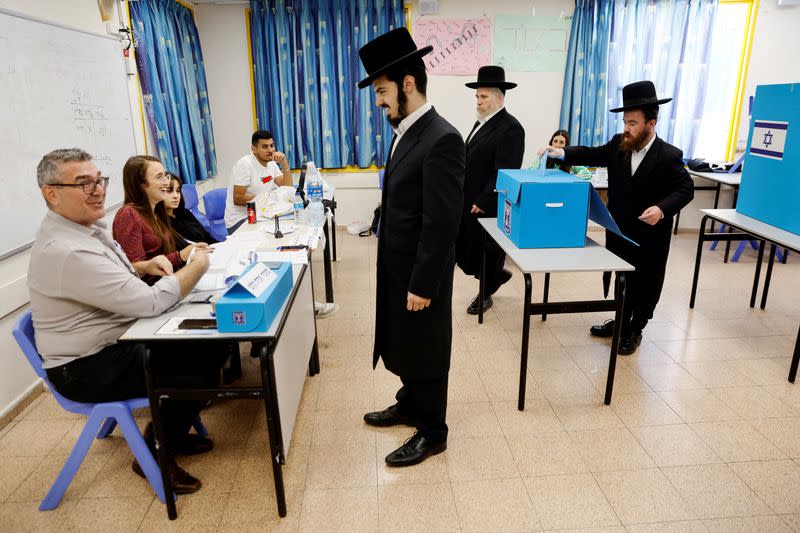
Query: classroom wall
16	377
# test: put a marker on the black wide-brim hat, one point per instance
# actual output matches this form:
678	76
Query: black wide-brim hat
386	51
639	94
491	76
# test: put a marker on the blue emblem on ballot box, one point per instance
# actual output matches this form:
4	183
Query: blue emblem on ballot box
253	301
507	216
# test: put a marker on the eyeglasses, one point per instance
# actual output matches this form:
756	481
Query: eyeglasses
89	187
163	178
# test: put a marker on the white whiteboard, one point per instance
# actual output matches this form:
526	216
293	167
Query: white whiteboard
59	88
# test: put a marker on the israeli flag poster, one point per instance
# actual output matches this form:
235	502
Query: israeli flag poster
769	138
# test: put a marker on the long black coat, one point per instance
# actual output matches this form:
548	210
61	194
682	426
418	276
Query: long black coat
661	180
498	144
423	187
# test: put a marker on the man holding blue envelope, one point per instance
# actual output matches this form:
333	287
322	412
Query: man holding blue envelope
647	186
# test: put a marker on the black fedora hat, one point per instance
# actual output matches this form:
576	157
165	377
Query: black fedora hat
639	94
386	51
491	76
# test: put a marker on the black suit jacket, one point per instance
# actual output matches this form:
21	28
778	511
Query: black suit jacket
660	179
500	143
423	188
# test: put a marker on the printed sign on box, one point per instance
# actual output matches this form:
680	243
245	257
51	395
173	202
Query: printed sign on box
460	46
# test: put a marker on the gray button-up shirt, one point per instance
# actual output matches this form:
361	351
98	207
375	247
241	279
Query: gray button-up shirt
84	291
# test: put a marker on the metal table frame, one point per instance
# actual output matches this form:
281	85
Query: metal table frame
264	344
748	228
531	308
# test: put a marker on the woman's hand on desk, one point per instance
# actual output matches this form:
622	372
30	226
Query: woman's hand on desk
187	251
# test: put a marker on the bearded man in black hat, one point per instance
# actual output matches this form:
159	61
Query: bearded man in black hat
497	140
423	188
647	186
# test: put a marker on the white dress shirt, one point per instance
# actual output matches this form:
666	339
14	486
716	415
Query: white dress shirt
407	122
638	157
481	122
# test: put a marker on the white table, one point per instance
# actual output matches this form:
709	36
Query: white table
719	178
590	258
286	351
748	227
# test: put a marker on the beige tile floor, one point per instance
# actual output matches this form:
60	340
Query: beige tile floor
703	433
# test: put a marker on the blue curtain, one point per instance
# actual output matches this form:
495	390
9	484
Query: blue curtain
173	81
306	66
583	105
666	41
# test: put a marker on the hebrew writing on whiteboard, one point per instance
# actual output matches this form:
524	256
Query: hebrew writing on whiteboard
60	88
460	46
531	44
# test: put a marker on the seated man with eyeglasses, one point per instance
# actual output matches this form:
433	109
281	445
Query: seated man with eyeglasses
85	293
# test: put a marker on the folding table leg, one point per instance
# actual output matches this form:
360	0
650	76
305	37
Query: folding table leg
526	326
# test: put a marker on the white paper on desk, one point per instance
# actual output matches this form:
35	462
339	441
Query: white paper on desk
296	257
307	237
171	328
241	237
227	262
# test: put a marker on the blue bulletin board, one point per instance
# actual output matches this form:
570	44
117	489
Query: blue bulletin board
770	189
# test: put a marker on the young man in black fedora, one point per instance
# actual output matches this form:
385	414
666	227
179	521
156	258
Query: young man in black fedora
497	140
423	188
647	186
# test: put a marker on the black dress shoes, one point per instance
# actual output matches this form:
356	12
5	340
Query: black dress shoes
415	450
391	416
628	344
606	329
182	481
474	308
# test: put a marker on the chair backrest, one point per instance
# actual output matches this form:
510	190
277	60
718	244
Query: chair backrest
214	201
23	334
189	193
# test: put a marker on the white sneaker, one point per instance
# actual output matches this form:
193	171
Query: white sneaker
325	310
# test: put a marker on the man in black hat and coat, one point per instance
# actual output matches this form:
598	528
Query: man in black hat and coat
647	186
423	188
497	140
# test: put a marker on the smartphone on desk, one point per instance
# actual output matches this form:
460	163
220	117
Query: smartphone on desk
198	323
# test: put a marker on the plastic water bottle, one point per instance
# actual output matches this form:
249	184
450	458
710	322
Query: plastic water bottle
297	205
315	211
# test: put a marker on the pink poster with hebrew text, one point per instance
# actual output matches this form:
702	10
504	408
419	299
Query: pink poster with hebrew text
460	46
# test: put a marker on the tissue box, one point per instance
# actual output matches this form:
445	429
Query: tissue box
547	210
252	302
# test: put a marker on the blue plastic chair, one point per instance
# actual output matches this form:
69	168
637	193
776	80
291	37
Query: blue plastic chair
103	417
192	203
214	202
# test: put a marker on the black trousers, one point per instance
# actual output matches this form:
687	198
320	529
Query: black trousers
117	373
495	261
425	401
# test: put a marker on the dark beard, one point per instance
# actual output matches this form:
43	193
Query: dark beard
630	143
402	102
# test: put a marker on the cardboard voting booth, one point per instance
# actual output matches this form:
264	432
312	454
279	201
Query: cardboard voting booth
548	208
252	302
770	188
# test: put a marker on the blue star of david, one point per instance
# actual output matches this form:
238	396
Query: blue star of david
768	138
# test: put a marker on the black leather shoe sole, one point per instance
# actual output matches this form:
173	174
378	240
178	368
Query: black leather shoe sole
603	330
474	309
182	481
628	345
399	460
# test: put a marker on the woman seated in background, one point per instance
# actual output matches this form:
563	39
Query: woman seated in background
141	226
560	139
186	229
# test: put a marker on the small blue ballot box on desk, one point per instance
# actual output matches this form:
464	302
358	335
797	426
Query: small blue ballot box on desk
548	209
252	302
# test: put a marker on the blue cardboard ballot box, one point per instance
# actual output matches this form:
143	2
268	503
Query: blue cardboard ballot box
548	209
770	188
252	302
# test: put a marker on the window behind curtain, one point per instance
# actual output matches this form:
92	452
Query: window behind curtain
169	62
305	70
